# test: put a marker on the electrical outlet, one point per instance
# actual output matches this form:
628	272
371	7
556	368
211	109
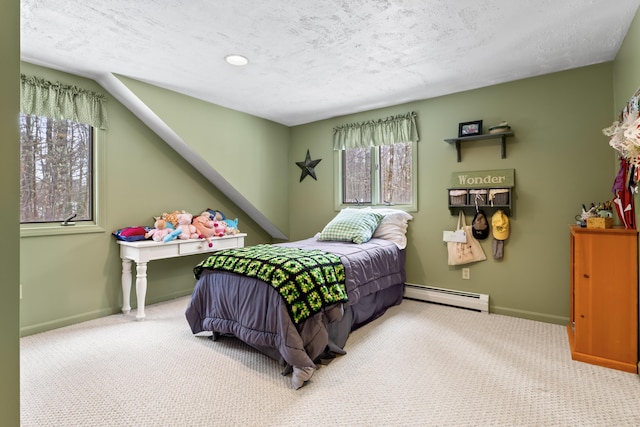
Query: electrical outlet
466	273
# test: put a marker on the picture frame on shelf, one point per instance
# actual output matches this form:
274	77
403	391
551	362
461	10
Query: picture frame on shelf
470	128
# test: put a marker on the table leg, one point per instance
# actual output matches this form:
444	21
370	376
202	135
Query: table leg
126	286
141	288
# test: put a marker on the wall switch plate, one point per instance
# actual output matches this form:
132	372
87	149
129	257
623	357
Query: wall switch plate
466	274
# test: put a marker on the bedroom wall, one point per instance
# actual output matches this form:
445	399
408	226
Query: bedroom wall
626	67
9	214
240	147
67	279
626	74
561	160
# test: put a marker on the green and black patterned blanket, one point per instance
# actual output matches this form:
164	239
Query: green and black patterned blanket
307	280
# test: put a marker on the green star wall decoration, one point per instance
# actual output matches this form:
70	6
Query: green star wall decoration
308	167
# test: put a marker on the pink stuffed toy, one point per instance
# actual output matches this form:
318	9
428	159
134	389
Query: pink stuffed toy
205	227
159	231
188	230
219	227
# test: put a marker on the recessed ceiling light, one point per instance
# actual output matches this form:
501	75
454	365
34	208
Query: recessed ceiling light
238	60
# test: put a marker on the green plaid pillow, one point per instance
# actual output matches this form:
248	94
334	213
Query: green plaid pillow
352	225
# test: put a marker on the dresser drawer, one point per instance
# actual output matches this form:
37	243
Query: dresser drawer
202	246
195	246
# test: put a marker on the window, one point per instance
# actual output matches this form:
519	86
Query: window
56	165
61	158
377	163
356	175
378	175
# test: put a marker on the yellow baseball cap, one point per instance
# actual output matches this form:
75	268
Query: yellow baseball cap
500	225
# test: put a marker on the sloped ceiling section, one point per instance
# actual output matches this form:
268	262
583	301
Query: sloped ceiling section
129	99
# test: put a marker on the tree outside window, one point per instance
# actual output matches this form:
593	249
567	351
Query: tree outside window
56	170
378	175
396	173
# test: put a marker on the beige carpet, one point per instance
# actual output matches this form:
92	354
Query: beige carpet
419	365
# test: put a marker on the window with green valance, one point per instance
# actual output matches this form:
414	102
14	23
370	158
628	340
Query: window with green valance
41	97
61	158
377	163
373	133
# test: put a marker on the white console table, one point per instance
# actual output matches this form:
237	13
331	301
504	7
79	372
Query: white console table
147	250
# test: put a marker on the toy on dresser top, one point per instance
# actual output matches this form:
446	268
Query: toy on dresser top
208	225
188	230
230	226
182	225
159	231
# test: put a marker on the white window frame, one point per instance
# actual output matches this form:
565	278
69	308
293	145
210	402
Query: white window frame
97	225
375	202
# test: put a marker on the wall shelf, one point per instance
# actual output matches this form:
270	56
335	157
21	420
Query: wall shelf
502	135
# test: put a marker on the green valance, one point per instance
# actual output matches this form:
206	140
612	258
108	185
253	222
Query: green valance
58	101
389	131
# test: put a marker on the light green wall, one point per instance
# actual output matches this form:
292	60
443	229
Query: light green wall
9	214
626	75
626	69
71	278
249	152
561	160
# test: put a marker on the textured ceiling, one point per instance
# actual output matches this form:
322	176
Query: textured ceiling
310	59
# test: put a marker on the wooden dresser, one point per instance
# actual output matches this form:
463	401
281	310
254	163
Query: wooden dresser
603	328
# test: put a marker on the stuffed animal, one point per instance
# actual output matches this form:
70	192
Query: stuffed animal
219	227
188	230
159	232
172	236
171	219
232	227
216	215
205	227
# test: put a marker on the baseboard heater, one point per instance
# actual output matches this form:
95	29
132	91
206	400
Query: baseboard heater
470	300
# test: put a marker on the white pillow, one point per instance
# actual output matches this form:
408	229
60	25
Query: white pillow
393	226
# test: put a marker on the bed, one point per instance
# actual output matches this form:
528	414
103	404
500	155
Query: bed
368	259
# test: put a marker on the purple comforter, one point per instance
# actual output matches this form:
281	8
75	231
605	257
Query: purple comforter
253	311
